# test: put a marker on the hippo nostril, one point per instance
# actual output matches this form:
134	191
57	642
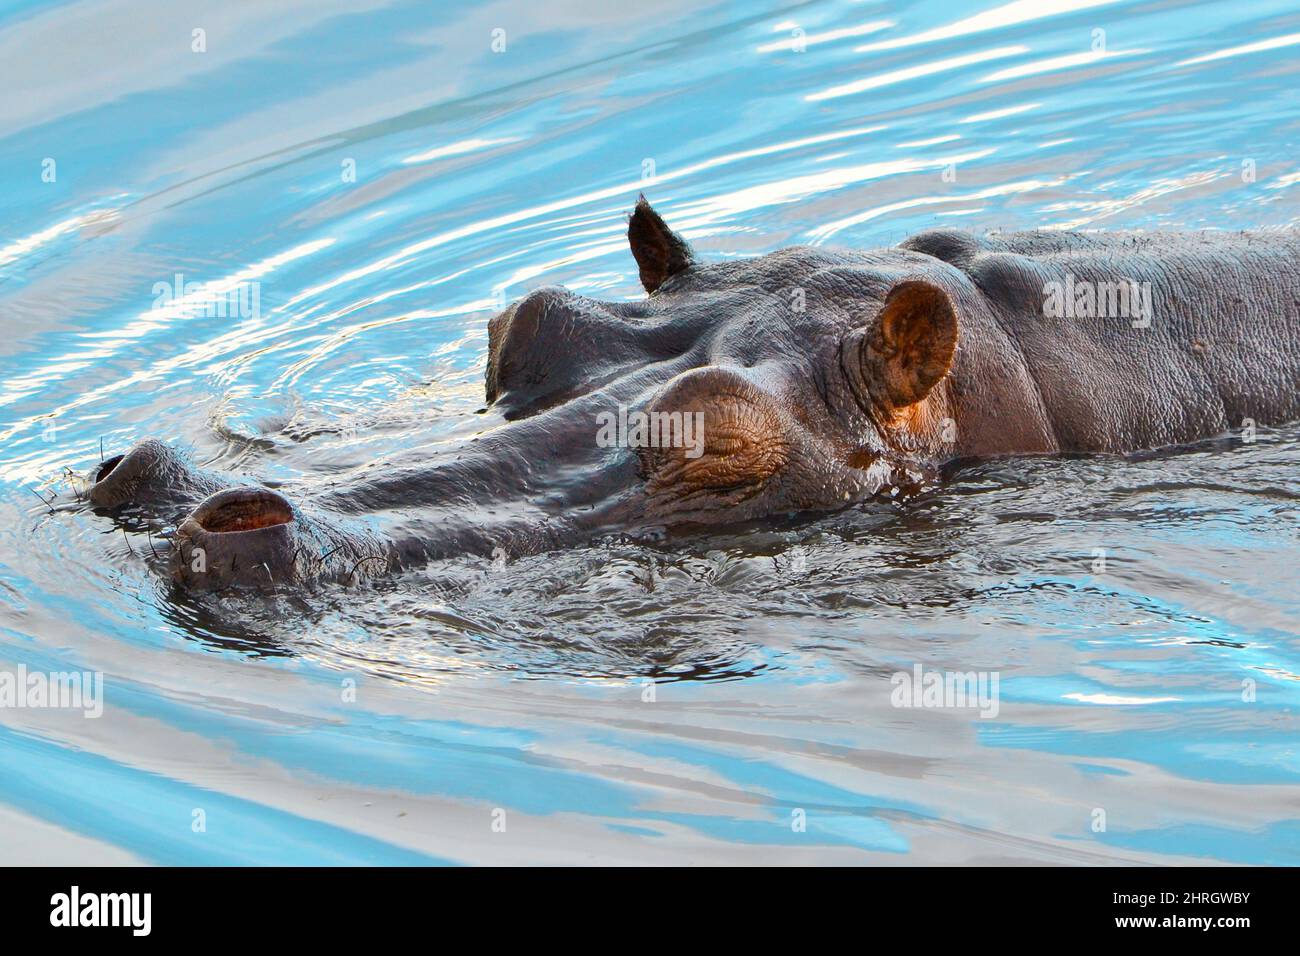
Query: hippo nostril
243	509
107	467
253	537
149	475
240	536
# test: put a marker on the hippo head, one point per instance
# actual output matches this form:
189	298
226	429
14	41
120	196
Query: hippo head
738	389
794	381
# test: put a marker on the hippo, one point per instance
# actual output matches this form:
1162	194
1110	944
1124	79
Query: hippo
800	381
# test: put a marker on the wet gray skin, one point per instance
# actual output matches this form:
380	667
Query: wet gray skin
822	377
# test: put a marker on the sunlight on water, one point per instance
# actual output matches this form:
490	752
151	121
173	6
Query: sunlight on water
386	182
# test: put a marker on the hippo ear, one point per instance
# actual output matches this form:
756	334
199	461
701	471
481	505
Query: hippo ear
659	251
909	348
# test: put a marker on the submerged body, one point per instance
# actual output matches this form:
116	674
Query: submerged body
803	380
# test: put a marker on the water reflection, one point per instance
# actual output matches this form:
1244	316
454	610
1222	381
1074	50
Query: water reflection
634	700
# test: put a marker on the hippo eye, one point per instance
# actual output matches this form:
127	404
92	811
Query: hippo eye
741	445
738	436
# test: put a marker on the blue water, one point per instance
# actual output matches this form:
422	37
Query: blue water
704	700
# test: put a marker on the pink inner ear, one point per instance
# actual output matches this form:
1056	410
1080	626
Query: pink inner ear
918	331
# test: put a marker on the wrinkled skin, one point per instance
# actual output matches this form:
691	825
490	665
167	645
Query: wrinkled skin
823	377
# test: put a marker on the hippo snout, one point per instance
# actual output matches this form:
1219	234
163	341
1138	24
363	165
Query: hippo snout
253	537
149	473
119	479
238	537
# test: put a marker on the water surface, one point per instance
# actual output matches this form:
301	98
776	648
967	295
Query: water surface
720	699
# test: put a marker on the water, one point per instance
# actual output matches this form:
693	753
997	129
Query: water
686	701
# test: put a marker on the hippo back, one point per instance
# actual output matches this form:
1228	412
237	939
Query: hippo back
1143	339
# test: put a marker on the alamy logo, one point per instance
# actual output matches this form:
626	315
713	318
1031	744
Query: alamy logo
1085	299
56	690
75	908
235	300
946	689
651	430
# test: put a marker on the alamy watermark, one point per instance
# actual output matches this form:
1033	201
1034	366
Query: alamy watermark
55	690
1085	299
74	908
934	689
219	300
626	429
